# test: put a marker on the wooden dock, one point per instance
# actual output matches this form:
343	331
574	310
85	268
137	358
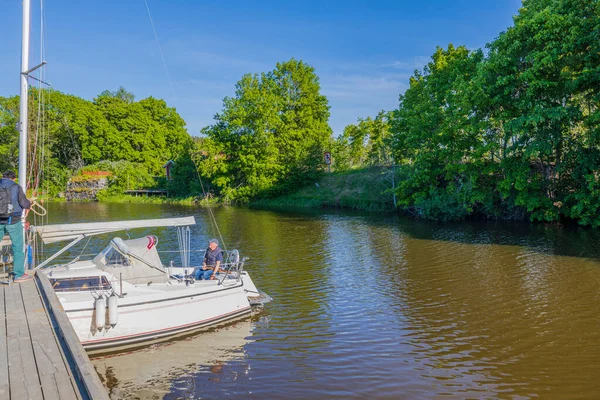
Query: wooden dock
40	355
147	192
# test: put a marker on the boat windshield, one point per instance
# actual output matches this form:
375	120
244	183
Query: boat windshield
134	260
112	257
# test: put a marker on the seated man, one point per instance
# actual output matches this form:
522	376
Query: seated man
212	261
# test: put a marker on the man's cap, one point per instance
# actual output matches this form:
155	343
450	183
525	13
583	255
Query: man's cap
215	241
9	175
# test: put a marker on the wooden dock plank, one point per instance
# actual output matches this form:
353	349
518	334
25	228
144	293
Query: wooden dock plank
58	387
24	380
4	388
3	351
4	392
47	352
54	374
23	375
14	312
40	355
85	370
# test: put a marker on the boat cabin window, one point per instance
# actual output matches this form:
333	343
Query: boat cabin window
80	283
113	257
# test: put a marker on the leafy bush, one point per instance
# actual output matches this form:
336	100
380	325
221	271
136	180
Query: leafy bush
442	206
125	175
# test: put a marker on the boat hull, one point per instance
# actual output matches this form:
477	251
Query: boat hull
158	317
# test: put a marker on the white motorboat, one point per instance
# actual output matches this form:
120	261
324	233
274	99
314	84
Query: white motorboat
125	297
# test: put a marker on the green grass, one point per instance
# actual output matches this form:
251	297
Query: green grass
125	198
357	189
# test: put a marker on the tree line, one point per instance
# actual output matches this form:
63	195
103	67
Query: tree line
508	132
511	131
113	132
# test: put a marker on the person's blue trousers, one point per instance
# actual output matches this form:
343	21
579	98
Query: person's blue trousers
201	274
15	232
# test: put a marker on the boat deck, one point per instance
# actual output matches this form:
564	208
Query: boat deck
40	355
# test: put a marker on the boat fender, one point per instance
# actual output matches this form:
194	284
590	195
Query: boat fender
29	256
113	310
100	306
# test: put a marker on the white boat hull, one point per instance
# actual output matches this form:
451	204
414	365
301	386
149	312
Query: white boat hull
150	321
148	314
126	298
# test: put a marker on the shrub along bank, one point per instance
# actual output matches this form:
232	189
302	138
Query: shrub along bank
364	189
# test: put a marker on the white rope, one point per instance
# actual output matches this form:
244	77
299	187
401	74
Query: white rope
183	239
180	244
187	245
38	209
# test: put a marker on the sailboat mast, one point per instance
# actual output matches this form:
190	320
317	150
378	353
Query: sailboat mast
24	97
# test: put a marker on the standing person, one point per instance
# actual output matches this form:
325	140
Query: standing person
13	203
212	261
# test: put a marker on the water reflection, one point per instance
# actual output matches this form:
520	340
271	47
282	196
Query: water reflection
175	368
376	306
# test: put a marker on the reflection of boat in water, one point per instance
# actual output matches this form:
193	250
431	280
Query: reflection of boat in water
150	373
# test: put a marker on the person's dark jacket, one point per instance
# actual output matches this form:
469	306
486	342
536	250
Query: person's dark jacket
212	256
19	200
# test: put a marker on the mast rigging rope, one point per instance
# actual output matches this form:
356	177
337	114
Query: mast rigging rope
213	220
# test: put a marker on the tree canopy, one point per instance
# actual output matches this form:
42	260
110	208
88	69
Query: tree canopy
74	133
512	132
368	143
270	136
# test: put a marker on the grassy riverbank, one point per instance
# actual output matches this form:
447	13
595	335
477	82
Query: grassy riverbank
362	189
126	198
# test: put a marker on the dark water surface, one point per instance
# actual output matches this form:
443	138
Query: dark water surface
372	306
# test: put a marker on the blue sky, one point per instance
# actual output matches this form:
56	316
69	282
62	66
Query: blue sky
363	51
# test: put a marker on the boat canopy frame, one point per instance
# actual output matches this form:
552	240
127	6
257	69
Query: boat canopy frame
77	232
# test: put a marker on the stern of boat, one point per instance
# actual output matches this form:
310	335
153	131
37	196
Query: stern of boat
255	296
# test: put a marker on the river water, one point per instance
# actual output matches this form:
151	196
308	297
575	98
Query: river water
378	306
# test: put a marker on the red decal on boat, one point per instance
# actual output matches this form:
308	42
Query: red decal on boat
150	242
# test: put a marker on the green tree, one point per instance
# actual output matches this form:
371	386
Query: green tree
272	133
68	133
367	143
121	93
540	91
434	139
355	138
146	132
9	134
